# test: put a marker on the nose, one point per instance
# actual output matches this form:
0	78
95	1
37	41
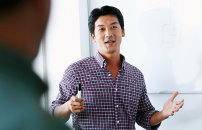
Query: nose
108	33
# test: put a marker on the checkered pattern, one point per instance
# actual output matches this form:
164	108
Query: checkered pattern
108	104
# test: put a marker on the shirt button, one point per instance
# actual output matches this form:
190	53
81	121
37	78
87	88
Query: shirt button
117	105
109	74
117	122
116	89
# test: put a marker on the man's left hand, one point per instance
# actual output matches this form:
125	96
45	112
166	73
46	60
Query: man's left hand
170	107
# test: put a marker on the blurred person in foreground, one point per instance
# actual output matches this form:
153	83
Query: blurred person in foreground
22	25
114	94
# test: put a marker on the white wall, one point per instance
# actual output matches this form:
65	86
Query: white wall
164	40
62	42
84	32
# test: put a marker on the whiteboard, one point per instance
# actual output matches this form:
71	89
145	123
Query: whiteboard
163	39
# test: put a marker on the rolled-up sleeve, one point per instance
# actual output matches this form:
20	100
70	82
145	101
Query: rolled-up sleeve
145	111
67	89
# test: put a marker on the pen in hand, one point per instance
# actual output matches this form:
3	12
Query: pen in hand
79	91
76	103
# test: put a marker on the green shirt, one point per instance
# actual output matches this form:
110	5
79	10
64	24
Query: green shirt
20	92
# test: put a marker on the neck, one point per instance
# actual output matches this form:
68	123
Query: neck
114	63
113	60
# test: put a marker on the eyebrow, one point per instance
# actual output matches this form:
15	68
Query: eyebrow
110	24
114	23
99	25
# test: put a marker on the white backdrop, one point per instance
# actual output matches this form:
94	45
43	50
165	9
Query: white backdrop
164	40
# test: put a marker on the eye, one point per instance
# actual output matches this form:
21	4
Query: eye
114	27
101	29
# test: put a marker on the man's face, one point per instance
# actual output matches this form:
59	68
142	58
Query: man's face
108	34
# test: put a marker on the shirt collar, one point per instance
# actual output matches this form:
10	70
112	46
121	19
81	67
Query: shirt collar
100	60
102	63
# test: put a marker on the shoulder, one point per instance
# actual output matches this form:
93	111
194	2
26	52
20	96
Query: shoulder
80	66
81	63
132	70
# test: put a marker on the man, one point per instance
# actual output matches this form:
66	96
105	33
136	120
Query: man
113	91
22	25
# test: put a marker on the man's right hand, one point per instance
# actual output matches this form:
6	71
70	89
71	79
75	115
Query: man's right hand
76	105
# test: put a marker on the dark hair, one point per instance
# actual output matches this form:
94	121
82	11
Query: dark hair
7	4
104	10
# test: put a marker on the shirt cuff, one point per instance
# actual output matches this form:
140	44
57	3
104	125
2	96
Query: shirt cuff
152	127
52	108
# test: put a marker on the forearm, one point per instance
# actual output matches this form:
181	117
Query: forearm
156	118
62	111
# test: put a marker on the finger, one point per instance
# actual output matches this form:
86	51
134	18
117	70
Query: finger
173	96
179	102
73	98
82	109
82	103
77	107
75	103
182	105
172	114
79	100
176	109
78	110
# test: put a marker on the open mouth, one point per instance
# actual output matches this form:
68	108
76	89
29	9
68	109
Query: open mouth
109	42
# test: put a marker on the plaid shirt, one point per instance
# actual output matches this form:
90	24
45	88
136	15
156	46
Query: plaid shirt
108	104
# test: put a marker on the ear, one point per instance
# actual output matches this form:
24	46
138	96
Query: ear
93	37
123	32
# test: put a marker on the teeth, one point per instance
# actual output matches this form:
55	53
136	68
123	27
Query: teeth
110	41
